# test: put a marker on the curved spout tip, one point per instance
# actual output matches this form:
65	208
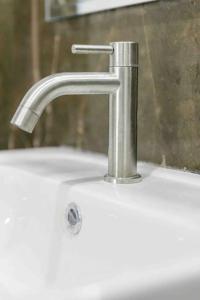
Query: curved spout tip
25	119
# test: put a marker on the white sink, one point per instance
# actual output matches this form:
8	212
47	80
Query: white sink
136	242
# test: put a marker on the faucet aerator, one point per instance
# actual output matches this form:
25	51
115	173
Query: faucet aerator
25	119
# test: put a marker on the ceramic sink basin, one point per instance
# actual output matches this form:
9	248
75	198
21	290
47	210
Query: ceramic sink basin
139	241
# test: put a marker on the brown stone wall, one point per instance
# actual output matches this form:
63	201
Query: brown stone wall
168	32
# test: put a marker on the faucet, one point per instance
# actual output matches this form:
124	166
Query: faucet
120	83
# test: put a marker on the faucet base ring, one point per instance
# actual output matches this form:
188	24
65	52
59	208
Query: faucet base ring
120	180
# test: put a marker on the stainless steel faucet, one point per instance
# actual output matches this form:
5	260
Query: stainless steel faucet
121	83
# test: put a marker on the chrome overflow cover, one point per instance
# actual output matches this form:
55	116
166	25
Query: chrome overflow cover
73	218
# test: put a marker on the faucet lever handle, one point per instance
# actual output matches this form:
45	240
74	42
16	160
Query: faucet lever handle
92	49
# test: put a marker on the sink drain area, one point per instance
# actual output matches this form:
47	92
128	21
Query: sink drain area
73	218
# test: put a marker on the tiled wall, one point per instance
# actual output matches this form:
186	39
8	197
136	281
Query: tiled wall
168	32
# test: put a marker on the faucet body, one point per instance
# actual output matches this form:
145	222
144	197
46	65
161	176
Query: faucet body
120	83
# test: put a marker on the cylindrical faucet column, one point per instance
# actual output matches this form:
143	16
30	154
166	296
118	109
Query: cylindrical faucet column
122	150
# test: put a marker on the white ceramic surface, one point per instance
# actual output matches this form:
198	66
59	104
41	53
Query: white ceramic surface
137	242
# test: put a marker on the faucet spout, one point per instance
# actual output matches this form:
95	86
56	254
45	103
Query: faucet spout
53	86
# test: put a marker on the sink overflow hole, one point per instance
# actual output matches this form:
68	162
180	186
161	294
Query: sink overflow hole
73	218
